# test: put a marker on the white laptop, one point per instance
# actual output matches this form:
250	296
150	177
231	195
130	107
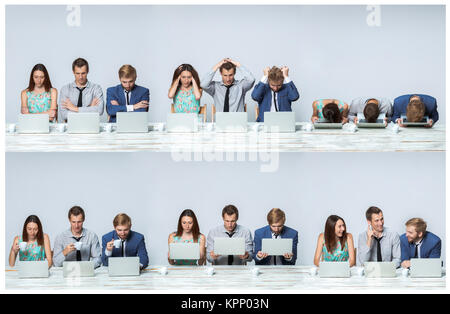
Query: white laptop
33	269
132	122
231	121
229	246
279	121
188	251
380	270
426	268
379	123
334	269
182	122
85	122
324	124
78	269
276	247
123	266
33	123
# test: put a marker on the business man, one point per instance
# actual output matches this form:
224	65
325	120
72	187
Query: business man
229	229
275	229
275	92
127	96
415	107
417	242
80	95
371	108
228	94
65	249
132	243
378	244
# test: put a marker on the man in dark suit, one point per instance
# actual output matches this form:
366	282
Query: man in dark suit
127	96
415	107
276	229
275	91
131	243
417	242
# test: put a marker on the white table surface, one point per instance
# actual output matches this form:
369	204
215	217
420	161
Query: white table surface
189	278
319	140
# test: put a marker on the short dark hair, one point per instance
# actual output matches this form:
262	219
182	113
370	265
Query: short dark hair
332	113
80	62
230	210
76	211
371	112
372	210
227	66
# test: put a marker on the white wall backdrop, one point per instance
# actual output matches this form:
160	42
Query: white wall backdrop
153	190
331	50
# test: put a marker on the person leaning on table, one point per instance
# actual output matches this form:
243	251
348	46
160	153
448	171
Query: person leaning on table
81	95
371	108
415	107
417	242
38	243
231	229
275	229
378	243
335	244
127	96
332	110
64	248
132	243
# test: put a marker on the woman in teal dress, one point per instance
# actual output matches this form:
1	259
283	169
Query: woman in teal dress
188	231
332	110
335	244
185	90
39	97
37	243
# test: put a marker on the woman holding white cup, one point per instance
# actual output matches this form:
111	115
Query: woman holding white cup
33	245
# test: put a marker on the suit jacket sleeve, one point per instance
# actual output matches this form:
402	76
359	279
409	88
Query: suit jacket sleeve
104	257
397	110
294	250
145	96
434	112
111	109
292	91
257	247
436	250
142	253
259	92
405	256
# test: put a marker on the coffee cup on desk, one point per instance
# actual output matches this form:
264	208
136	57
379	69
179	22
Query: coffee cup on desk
163	270
209	126
255	271
255	127
360	271
313	271
159	127
108	127
22	246
210	271
395	128
78	245
308	127
11	128
61	127
118	244
405	272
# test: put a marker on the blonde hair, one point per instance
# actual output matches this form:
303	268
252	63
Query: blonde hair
275	74
276	215
121	220
127	71
418	223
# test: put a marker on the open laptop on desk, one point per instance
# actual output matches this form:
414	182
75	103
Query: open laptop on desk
33	123
324	124
334	270
229	246
279	122
78	269
132	122
182	122
33	269
426	268
188	251
380	270
276	247
231	121
424	121
123	266
379	123
85	122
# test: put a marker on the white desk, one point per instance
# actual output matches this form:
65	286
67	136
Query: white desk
364	140
188	278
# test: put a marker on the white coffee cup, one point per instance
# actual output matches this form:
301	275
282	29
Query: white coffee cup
163	271
405	272
61	127
255	271
360	271
108	127
118	244
210	271
313	271
308	127
255	127
22	246
159	127
395	128
78	245
11	128
210	126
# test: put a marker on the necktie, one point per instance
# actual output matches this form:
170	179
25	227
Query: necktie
230	257
226	104
128	97
275	258
78	251
275	100
123	248
416	251
379	257
80	97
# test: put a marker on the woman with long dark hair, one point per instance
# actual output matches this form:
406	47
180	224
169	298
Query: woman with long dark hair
335	244
185	89
36	244
332	110
188	231
39	97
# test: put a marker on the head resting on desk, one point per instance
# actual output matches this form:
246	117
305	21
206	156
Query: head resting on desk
227	70
276	219
332	113
275	79
415	229
371	111
415	109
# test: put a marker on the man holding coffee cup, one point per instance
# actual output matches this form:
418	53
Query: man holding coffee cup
123	242
77	243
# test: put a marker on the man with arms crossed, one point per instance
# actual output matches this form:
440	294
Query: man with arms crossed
378	244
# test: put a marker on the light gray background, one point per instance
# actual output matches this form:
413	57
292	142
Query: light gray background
331	51
154	190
